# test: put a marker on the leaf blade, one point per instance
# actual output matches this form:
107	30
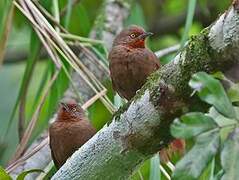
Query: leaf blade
22	175
211	91
230	156
154	168
192	124
193	163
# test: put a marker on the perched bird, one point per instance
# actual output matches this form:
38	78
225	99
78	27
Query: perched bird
130	65
69	132
130	61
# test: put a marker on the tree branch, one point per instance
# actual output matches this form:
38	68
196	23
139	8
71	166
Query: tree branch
141	128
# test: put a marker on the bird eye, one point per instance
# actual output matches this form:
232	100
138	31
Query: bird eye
132	35
73	109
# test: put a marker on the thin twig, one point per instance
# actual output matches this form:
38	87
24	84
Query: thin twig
21	160
50	17
167	51
93	99
86	73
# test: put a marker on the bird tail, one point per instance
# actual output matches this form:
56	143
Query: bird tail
176	146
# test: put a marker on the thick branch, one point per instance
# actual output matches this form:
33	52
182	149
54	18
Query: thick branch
142	127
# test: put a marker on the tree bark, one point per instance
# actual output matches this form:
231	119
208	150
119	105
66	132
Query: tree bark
142	126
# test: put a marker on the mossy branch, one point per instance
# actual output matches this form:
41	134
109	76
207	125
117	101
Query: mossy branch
141	128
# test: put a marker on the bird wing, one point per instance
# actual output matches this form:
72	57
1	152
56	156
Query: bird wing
53	144
143	63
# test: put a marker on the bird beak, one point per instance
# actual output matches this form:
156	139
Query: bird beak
145	35
64	105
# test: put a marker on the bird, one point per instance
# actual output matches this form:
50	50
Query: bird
69	132
130	64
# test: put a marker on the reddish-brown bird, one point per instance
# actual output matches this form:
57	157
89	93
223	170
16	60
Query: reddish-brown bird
130	61
130	65
69	132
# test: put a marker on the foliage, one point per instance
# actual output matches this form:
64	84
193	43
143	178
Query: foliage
5	176
215	133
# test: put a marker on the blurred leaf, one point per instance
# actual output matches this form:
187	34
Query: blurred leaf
219	75
136	16
193	163
34	52
230	156
81	13
4	175
212	169
208	171
219	175
118	101
192	124
154	168
211	91
68	14
233	93
25	173
6	15
43	81
219	118
189	20
222	121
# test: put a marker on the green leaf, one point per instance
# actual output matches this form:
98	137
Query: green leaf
233	93
208	172
189	20
4	175
191	125
25	173
220	119
154	168
194	162
218	175
211	91
230	156
34	50
212	169
118	101
219	75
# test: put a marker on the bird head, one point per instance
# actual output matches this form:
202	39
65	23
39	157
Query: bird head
70	110
133	37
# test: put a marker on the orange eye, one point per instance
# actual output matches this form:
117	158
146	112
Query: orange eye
132	35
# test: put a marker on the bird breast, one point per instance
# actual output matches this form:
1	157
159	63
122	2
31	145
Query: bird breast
130	67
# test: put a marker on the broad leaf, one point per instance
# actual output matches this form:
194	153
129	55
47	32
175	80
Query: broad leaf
23	174
4	175
194	162
211	91
230	156
154	168
220	119
191	125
